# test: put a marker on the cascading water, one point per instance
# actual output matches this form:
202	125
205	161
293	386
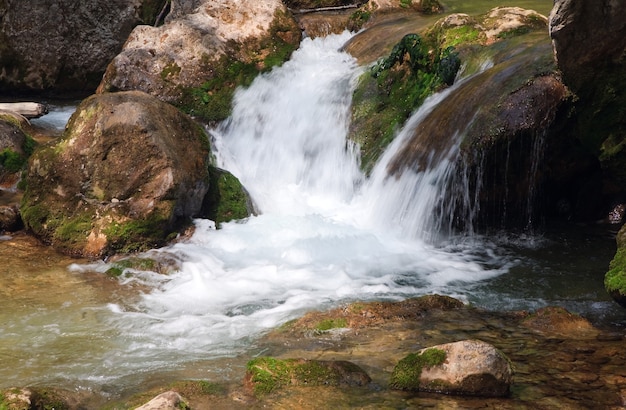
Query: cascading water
325	235
314	243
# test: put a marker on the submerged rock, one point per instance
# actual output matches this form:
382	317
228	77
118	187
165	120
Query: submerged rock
468	367
266	374
554	320
128	172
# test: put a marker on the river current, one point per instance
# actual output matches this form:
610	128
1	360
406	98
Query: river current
325	234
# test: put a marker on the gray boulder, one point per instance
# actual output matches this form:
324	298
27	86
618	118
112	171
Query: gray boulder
63	45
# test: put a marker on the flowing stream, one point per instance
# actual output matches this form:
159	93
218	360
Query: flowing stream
324	235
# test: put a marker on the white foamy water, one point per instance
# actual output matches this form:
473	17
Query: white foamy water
324	236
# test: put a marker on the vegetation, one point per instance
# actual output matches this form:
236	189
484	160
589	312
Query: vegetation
211	101
119	267
394	88
615	278
267	374
406	375
328	324
227	199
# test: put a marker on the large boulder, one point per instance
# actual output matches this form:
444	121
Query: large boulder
589	44
468	367
205	49
69	47
127	173
589	41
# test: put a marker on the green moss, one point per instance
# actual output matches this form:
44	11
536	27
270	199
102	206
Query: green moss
227	199
615	278
267	374
406	375
12	161
465	35
118	267
396	86
74	230
172	69
139	234
329	324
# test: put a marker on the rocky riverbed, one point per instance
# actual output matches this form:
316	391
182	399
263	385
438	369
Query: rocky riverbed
559	360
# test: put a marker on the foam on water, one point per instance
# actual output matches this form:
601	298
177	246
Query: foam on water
324	235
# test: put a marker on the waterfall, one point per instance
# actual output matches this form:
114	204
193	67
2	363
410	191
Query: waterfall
324	234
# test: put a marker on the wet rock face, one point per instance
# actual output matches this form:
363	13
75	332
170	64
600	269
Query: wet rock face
69	46
128	171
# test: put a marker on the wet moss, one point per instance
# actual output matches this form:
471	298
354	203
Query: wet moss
119	267
139	234
226	199
267	374
395	87
328	324
615	278
406	375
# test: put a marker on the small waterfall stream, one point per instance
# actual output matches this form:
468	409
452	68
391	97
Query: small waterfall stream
325	235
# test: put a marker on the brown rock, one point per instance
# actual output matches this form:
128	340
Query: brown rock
129	171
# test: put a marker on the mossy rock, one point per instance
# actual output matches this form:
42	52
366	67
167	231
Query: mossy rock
128	174
406	374
615	278
227	199
267	374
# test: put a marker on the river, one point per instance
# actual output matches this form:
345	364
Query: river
325	235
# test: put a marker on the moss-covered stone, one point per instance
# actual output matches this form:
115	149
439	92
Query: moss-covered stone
397	85
267	374
615	278
227	199
406	374
128	174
